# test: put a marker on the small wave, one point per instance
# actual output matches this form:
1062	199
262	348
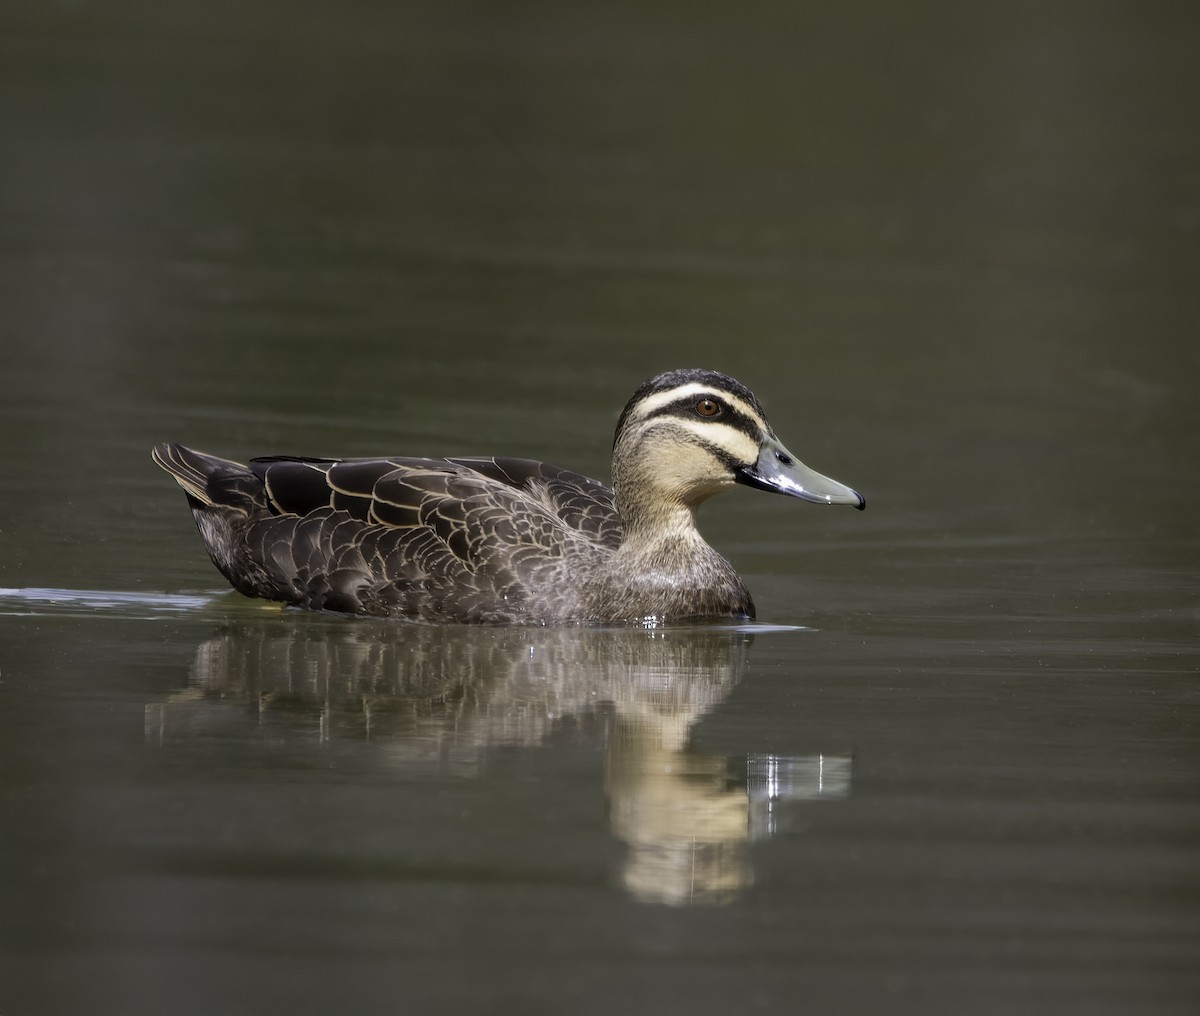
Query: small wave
84	602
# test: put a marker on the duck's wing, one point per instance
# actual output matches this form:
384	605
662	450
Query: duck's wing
466	539
469	539
404	492
584	504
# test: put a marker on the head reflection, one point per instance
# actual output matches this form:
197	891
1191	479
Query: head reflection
441	698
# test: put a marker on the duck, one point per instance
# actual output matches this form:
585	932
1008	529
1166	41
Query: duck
499	540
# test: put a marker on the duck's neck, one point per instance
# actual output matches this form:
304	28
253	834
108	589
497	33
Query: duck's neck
665	527
659	533
654	506
664	569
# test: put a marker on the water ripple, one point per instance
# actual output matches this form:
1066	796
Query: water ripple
99	602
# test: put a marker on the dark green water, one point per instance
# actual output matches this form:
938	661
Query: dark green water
953	248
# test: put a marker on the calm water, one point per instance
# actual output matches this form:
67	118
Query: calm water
954	250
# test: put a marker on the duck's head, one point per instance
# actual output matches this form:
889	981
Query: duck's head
688	434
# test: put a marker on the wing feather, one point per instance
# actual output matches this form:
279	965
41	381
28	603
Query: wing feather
431	538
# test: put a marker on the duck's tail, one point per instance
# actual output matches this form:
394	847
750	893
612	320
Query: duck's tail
208	481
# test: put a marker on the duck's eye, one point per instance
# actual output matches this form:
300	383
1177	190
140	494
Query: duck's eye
708	407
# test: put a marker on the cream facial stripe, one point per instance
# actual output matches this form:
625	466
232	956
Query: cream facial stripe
735	443
652	403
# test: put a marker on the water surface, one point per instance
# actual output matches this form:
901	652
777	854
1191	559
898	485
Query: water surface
953	250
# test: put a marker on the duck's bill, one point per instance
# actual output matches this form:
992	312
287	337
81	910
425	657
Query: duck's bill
779	470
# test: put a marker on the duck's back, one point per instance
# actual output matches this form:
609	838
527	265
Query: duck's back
466	539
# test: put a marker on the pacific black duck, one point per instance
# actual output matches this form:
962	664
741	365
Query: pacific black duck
504	540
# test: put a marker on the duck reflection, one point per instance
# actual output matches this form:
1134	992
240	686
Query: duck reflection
442	697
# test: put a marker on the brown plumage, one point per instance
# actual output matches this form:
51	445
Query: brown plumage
505	540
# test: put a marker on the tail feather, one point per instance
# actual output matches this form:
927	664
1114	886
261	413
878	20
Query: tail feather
181	463
210	481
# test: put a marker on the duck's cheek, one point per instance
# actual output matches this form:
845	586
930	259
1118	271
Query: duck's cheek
689	473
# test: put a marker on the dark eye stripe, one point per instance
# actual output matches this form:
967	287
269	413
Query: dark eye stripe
729	416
